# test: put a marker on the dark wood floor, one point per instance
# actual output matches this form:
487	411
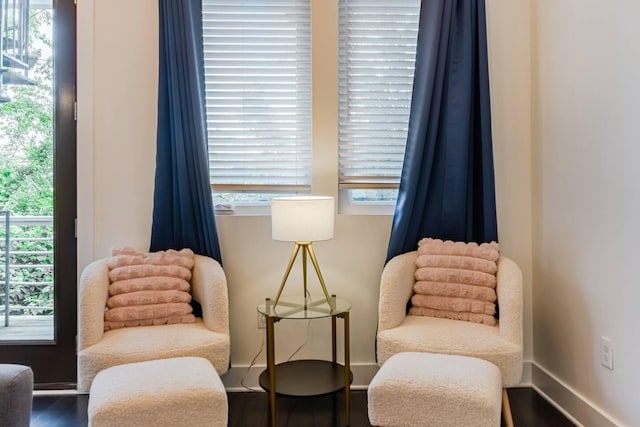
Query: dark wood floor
249	409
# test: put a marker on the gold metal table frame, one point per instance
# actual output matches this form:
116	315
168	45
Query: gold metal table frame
312	377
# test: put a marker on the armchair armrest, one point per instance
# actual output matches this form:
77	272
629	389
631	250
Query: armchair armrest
93	291
509	292
396	287
209	288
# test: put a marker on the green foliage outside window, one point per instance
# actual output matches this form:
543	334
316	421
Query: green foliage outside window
26	173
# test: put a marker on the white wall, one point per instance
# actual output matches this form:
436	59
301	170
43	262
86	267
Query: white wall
508	27
117	98
587	200
117	61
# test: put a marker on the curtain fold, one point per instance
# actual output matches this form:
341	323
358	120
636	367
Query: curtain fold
183	214
447	186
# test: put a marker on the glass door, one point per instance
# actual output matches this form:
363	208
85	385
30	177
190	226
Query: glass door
38	189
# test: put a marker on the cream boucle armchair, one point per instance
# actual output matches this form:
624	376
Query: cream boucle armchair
399	332
207	338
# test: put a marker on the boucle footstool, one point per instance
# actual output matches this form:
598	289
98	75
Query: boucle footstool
160	393
426	389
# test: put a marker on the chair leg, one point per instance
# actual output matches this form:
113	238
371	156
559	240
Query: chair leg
506	409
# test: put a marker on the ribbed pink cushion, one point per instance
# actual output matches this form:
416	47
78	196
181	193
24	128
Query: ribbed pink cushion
149	288
456	280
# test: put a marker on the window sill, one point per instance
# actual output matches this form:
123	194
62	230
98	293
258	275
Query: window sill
360	209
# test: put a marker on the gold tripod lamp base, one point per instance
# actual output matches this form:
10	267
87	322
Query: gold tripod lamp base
307	251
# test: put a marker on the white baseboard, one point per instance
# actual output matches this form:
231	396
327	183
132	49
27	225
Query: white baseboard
526	374
238	378
569	402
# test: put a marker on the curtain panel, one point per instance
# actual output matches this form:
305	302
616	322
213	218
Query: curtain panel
447	186
183	214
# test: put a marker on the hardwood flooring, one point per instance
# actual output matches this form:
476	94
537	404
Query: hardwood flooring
249	409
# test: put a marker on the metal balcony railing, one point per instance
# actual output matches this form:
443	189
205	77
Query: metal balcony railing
15	59
26	272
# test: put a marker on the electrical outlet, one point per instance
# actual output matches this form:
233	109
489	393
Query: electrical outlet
606	352
262	321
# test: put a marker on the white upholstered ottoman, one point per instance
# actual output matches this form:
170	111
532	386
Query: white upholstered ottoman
165	392
426	389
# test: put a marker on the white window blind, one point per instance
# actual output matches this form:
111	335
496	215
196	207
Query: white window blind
257	57
376	59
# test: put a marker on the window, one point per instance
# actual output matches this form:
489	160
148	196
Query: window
259	91
258	95
376	65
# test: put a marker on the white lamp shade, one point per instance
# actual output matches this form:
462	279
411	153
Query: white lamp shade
302	219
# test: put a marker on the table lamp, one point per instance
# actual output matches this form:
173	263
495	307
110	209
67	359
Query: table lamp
302	220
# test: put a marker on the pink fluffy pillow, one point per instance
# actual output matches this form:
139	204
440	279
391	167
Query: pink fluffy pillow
456	280
149	288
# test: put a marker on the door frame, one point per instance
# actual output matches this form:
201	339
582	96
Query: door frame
54	362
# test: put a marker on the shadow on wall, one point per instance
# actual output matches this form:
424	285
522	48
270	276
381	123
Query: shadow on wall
560	319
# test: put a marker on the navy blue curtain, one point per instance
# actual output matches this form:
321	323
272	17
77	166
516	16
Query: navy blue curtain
447	185
183	209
